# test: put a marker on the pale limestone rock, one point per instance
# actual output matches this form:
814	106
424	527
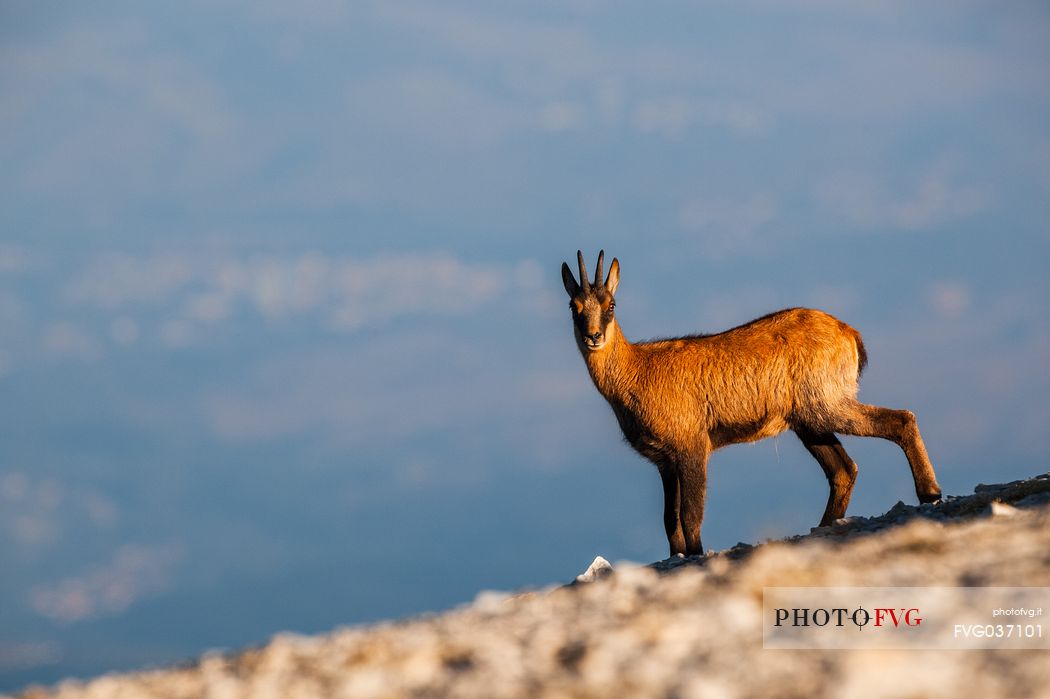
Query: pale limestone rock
685	627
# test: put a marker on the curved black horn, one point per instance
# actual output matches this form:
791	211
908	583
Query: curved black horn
584	282
598	281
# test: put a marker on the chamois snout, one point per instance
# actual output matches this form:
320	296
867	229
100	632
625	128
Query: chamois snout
591	302
591	318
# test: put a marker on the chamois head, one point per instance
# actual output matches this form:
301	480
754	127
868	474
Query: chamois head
591	303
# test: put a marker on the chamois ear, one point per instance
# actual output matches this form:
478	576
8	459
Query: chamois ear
571	287
613	279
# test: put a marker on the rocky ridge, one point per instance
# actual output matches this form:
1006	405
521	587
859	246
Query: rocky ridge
684	627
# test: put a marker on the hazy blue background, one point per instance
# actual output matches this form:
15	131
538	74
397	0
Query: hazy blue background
283	343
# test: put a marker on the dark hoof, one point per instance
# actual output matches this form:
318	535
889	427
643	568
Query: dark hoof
934	499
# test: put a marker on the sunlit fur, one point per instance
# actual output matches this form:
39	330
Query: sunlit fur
677	400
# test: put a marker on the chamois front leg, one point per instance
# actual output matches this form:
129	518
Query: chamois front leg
672	521
692	486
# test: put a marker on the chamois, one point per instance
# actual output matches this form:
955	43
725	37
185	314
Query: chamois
677	400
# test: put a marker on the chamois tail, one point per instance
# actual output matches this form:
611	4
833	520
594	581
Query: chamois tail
862	354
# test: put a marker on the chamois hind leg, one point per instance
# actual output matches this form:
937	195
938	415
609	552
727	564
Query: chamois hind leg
900	427
672	520
692	485
840	470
